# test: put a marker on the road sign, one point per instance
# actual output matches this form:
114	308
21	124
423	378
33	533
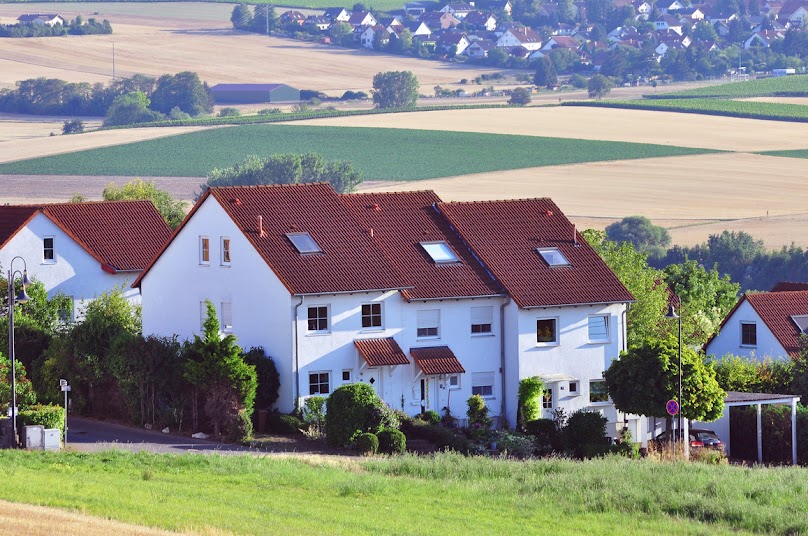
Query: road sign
672	407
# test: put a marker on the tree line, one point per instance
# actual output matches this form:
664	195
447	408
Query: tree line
75	27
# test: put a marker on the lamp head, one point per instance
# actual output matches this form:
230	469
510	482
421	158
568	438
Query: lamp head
25	280
23	296
671	312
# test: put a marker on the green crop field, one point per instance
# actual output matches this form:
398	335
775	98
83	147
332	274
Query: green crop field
446	494
794	86
380	153
799	153
730	108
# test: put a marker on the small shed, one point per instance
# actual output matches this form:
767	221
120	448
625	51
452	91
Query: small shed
254	93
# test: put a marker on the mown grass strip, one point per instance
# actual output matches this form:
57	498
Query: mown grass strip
728	108
447	494
784	86
380	153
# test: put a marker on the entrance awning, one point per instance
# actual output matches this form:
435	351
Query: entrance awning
437	360
381	352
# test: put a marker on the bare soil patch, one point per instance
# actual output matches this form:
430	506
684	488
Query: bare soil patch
26	127
641	126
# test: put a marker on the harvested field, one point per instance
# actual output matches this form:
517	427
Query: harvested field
665	128
26	127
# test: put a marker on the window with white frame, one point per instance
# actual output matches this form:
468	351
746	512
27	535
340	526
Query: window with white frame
48	250
318	318
440	252
319	383
574	388
204	250
428	323
347	376
547	331
225	248
481	320
598	328
227	316
597	391
547	399
748	334
482	383
453	381
553	257
372	315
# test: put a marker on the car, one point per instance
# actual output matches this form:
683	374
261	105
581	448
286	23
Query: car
699	438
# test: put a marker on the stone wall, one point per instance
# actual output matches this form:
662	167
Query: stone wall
6	433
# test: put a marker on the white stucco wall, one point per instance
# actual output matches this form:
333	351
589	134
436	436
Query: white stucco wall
728	340
73	272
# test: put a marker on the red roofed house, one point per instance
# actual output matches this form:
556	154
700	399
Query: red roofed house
764	324
428	302
523	37
82	250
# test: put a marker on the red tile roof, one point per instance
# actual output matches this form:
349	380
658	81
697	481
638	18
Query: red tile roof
381	352
786	286
121	235
400	222
776	309
505	235
437	360
350	259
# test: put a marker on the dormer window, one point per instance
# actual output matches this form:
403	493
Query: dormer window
304	243
801	321
440	252
553	257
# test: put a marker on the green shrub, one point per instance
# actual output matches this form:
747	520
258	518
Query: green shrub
585	434
48	416
546	434
354	408
229	112
430	416
281	423
392	441
269	381
479	422
366	443
440	436
518	445
530	389
708	456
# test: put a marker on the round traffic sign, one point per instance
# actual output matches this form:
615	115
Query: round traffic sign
672	407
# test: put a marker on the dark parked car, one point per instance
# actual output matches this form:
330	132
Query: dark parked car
698	438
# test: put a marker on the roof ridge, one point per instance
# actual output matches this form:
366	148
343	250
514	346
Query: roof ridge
264	186
515	200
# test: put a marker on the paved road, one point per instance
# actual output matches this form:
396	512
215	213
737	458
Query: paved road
86	435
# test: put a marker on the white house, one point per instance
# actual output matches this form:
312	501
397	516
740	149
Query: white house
524	37
337	14
458	9
428	302
362	19
480	48
764	324
457	41
763	39
41	19
82	250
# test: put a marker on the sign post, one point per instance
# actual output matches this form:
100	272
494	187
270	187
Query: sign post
65	389
672	407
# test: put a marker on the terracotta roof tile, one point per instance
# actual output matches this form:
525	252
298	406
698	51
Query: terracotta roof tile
381	352
350	260
776	309
400	222
437	360
787	286
505	236
12	218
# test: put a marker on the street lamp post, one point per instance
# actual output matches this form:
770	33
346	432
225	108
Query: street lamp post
21	298
685	438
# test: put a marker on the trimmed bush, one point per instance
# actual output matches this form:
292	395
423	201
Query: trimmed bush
547	436
392	441
48	416
585	434
430	416
280	423
530	389
366	443
355	408
442	437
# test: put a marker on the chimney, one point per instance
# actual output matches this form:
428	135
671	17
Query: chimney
261	232
574	235
548	212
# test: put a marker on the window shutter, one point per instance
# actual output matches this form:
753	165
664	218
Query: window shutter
482	315
227	315
479	379
428	318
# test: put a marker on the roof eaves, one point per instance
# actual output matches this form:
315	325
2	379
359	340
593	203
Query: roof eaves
73	236
575	304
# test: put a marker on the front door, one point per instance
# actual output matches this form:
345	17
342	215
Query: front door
374	378
429	394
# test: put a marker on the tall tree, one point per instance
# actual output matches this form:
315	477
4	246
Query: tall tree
395	89
241	17
639	231
545	75
184	90
173	212
598	86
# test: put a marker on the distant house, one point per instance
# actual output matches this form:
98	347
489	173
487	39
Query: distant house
319	22
502	5
795	12
369	36
668	22
293	17
337	14
419	29
480	20
453	40
522	37
254	93
439	20
41	19
480	48
415	9
763	39
458	9
361	19
561	41
669	5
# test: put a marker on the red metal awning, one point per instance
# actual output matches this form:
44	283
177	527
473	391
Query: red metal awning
437	360
381	352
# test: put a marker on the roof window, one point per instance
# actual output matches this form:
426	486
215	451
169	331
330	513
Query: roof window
440	252
303	242
553	257
801	321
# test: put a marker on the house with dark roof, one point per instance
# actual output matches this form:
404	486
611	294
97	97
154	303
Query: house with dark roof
362	19
764	324
337	14
428	302
520	37
82	250
41	19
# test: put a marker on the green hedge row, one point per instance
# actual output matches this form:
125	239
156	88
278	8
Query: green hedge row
47	416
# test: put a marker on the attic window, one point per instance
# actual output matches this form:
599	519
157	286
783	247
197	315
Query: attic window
304	243
801	321
440	252
553	257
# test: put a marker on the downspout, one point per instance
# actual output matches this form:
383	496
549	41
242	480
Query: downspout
625	327
297	361
503	417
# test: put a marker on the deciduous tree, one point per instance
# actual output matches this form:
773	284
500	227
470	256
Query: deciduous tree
172	211
395	89
598	86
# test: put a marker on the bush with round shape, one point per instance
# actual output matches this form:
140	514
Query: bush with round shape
585	434
430	416
354	408
366	443
392	441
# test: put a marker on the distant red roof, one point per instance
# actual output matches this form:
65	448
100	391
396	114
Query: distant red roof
505	236
437	360
776	309
381	352
121	235
400	223
786	286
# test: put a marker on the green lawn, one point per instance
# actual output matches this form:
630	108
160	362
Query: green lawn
446	495
795	85
381	154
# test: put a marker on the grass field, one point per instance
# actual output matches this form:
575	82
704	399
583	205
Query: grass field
796	86
381	154
731	108
799	153
446	495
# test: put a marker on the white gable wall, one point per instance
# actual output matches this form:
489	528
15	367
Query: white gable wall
728	340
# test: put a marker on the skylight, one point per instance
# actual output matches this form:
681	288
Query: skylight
553	257
801	321
440	252
304	243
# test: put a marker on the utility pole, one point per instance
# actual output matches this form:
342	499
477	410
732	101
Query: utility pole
113	60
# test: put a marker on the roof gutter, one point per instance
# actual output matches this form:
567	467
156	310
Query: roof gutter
576	304
481	296
326	292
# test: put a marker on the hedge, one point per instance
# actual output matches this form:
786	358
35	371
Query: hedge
48	416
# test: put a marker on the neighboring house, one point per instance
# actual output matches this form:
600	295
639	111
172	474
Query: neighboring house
691	13
370	35
795	12
321	23
457	41
41	19
668	22
763	324
480	48
439	20
668	6
337	14
419	29
293	17
643	9
82	250
763	39
561	41
458	9
254	93
504	6
671	41
522	37
361	19
428	302
482	21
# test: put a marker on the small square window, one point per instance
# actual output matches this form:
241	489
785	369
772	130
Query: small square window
553	257
573	388
482	383
204	250
597	391
48	250
319	383
546	331
304	243
481	319
598	328
371	315
547	399
318	318
748	334
428	323
225	250
346	376
440	252
453	381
